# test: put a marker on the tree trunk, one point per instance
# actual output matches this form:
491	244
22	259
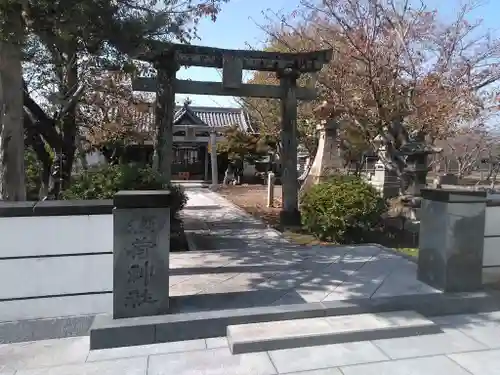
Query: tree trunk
12	180
460	173
69	126
38	144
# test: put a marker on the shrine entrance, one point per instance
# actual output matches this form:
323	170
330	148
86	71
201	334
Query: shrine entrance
167	59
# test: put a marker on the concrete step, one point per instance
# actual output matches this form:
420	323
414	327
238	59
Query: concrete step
286	334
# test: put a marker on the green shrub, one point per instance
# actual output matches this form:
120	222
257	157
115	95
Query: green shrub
104	181
342	210
33	172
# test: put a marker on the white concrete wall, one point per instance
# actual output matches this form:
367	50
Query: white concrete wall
491	246
53	266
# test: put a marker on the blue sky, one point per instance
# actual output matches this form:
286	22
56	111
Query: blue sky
237	26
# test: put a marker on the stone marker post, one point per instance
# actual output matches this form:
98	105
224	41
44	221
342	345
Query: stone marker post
141	247
270	189
213	158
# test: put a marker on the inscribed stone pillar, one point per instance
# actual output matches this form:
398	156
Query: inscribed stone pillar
141	247
289	215
327	160
164	117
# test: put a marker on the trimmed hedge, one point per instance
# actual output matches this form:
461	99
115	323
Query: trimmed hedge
344	209
103	182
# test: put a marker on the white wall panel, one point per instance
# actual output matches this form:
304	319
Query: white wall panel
491	251
33	277
53	235
492	224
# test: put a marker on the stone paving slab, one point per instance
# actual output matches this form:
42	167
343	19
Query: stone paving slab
44	353
328	371
483	328
131	366
450	341
211	361
312	358
417	366
479	363
145	350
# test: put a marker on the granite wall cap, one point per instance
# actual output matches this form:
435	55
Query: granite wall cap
447	195
16	209
142	199
73	207
56	208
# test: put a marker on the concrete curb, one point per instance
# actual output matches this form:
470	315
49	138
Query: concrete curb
287	334
109	333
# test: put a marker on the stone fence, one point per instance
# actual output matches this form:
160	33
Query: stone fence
65	258
56	258
459	239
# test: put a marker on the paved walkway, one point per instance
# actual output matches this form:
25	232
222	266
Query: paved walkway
468	345
242	263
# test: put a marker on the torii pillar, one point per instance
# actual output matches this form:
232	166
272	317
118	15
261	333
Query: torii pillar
328	160
164	116
290	214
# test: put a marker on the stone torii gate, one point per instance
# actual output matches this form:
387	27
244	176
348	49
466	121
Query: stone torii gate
167	59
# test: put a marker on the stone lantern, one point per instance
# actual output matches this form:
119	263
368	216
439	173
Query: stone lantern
384	180
416	153
328	160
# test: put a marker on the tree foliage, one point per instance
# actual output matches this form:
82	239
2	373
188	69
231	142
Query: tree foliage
242	146
396	62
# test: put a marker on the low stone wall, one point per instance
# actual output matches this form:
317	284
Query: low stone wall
56	259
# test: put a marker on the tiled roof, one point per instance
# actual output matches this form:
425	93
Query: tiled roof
214	117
